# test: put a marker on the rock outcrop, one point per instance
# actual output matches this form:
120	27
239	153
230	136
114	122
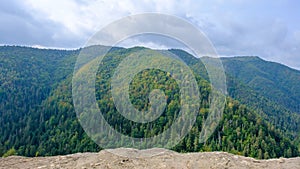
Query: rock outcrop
153	158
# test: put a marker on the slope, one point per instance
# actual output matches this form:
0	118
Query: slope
270	88
276	82
52	128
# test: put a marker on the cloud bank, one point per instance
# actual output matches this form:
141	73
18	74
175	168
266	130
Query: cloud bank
269	29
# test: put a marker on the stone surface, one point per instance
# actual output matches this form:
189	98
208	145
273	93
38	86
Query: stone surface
136	159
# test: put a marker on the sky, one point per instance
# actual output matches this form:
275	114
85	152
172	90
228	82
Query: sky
269	29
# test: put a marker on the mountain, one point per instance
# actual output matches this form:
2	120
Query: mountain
276	82
37	114
270	88
27	77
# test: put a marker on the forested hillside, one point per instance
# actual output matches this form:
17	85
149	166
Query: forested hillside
270	88
27	77
37	115
276	82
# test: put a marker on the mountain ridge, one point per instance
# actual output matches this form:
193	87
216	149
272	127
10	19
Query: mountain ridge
55	125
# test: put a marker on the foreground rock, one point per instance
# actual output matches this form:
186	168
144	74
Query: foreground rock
143	159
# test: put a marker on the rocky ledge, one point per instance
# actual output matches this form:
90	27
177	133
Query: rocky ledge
152	158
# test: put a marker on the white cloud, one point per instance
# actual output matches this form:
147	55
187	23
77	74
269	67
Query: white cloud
269	29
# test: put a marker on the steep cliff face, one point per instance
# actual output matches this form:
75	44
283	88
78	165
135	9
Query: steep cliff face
136	159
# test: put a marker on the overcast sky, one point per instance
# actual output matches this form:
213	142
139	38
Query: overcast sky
269	28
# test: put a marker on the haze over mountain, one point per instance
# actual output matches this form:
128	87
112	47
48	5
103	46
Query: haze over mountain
37	117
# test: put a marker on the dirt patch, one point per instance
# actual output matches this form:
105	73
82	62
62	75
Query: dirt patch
136	159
